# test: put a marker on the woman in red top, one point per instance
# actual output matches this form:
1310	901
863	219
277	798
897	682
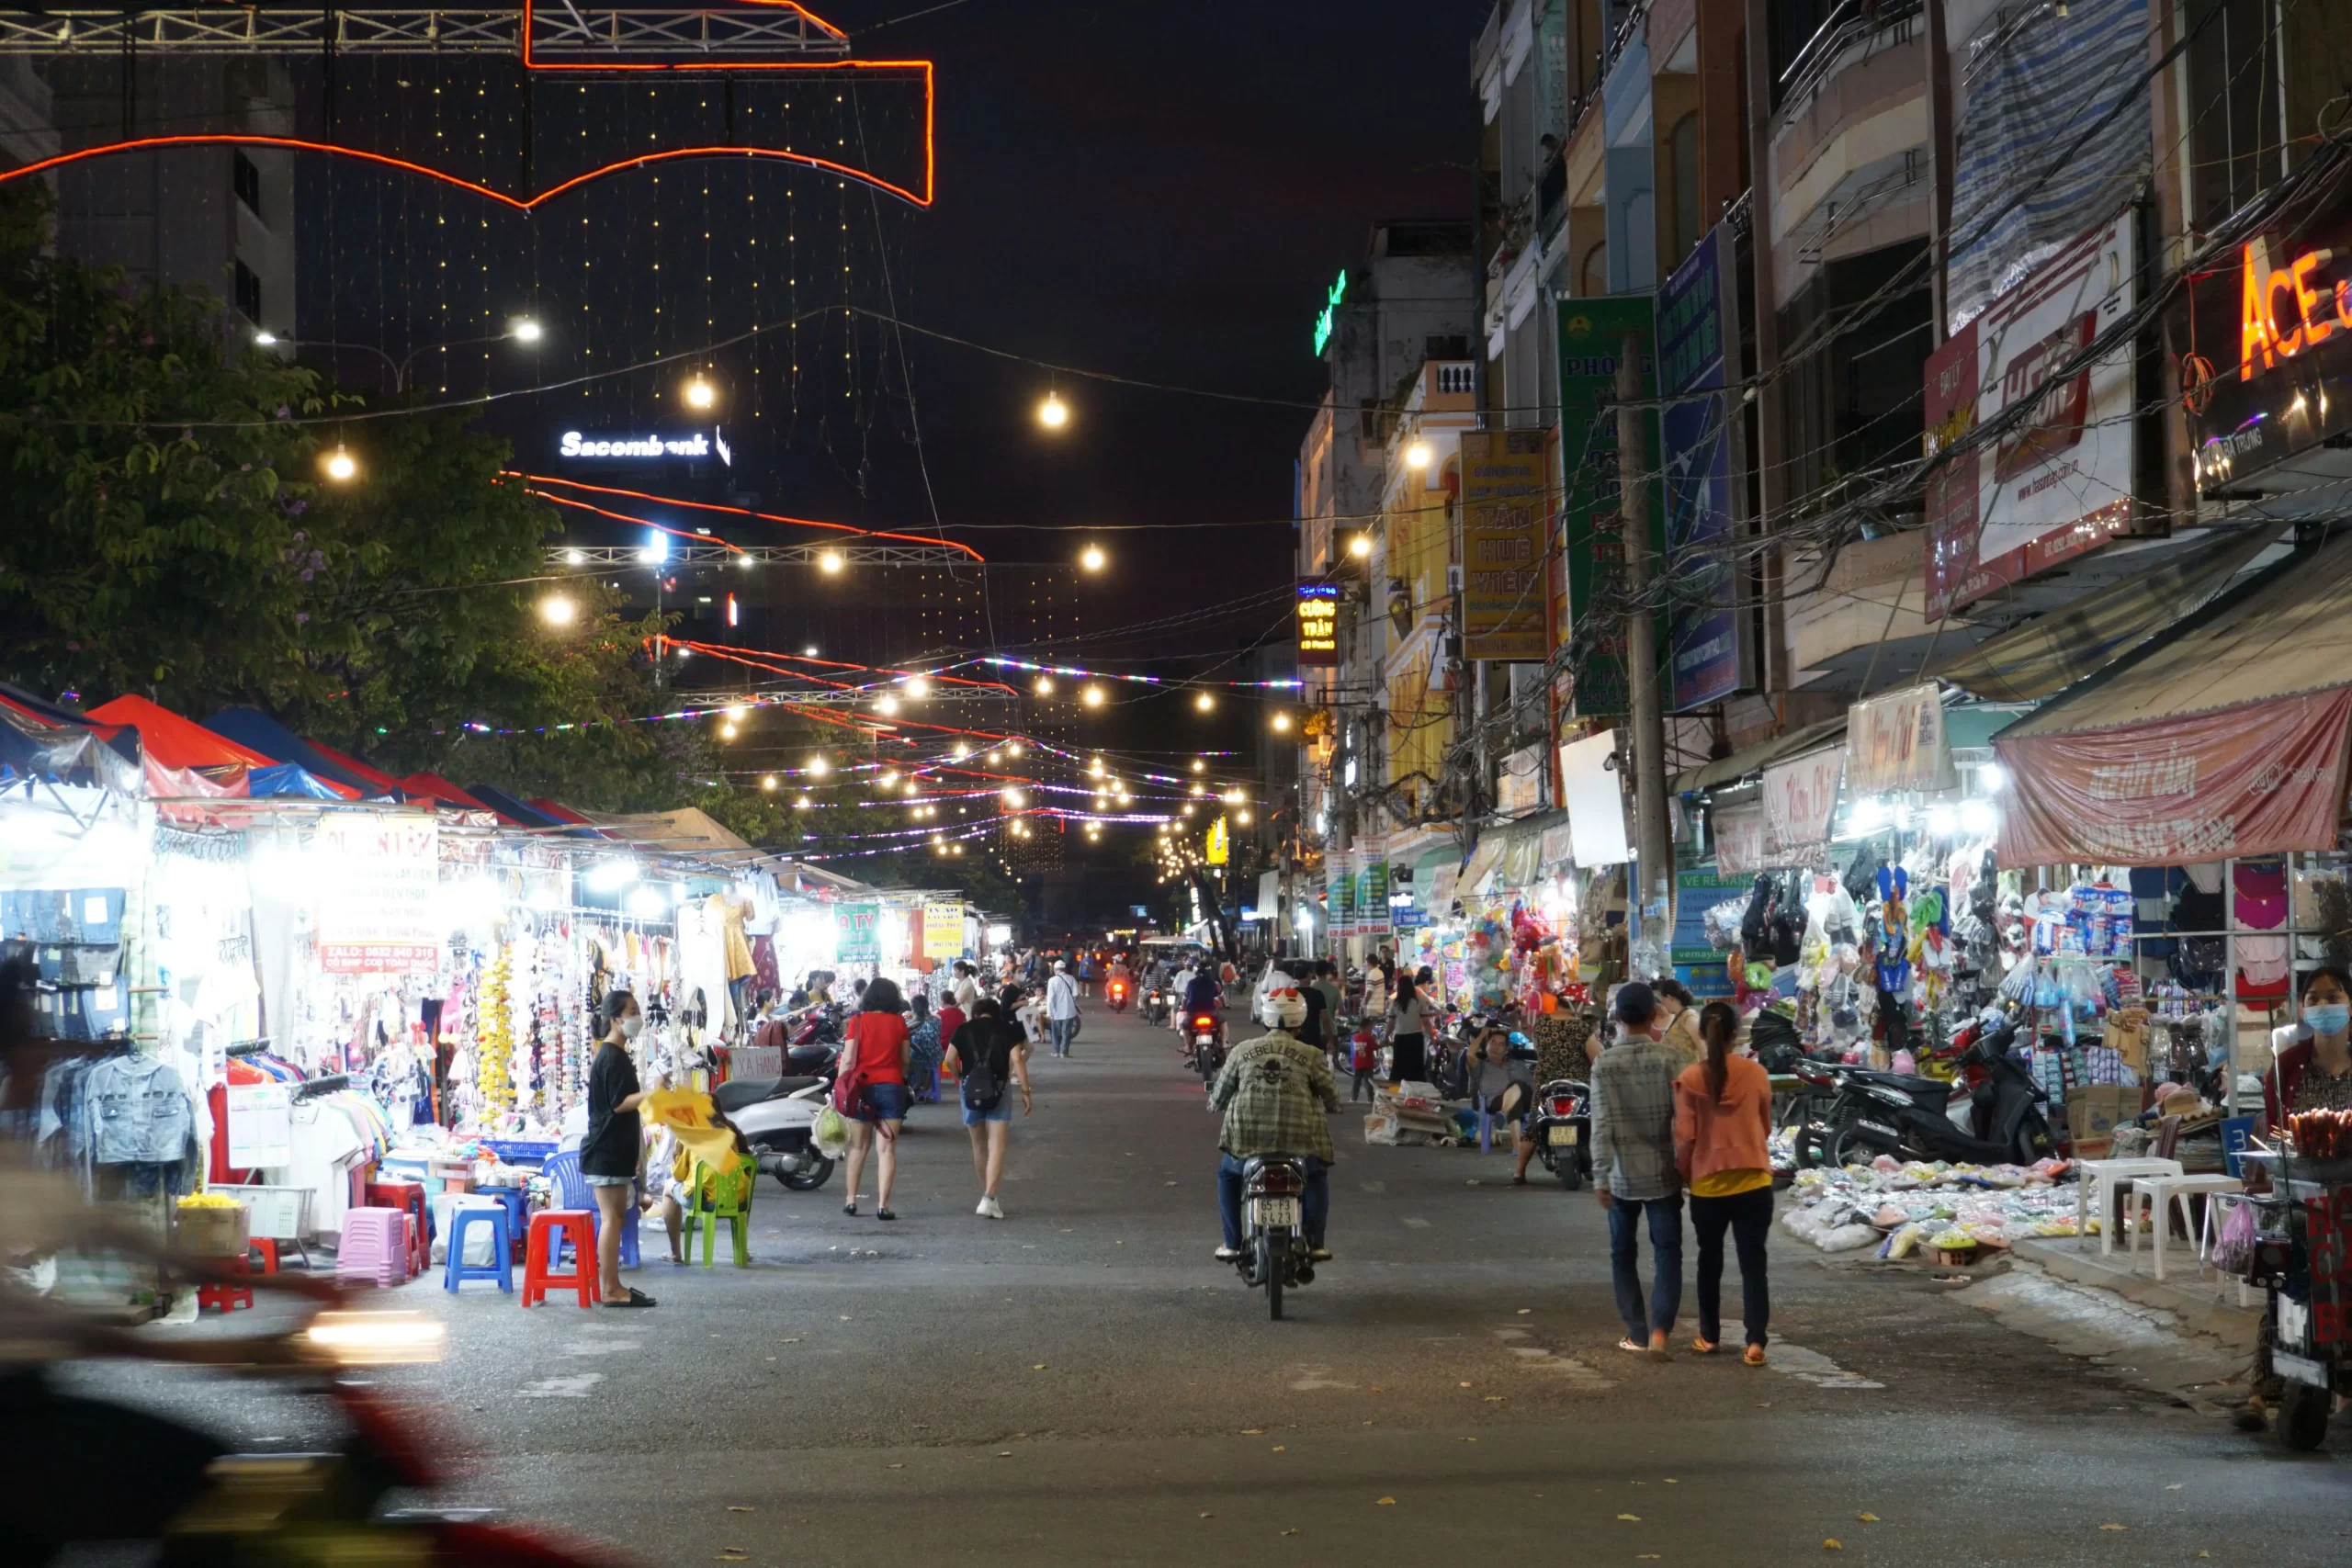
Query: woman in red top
871	1089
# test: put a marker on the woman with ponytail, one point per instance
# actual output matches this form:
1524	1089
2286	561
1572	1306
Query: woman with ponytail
1723	1121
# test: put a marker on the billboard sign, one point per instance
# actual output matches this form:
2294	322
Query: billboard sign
1319	624
1505	514
1697	342
2278	331
1592	334
2060	484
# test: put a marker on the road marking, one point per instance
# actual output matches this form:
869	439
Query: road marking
1374	1186
1418	1224
574	1387
1567	1368
1813	1367
603	1347
1313	1378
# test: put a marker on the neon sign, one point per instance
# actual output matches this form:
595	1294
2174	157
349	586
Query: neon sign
575	444
1324	323
2315	310
1318	624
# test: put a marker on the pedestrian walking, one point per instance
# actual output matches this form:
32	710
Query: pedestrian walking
615	1146
1407	1026
1634	1168
1678	1011
924	1046
871	1089
968	988
989	1058
1061	1009
1364	1057
1722	1121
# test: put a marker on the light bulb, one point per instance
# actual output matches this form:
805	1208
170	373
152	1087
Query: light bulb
1045	686
525	330
1013	750
1281	723
768	782
831	561
802	803
1418	455
267	338
1200	765
886	705
809	651
557	610
1093	559
701	394
1094	696
1205	703
727	732
1992	778
340	465
818	766
1053	413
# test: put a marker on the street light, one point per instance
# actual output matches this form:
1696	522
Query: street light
1205	703
1093	558
701	394
1360	546
832	562
557	610
1053	413
1418	455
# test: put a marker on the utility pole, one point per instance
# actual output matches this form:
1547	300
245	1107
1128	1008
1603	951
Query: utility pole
1653	842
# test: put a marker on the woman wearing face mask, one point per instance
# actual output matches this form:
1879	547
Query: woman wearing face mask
2316	1075
616	1142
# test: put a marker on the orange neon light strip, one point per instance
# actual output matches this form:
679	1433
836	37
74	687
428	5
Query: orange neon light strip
740	512
526	204
744	653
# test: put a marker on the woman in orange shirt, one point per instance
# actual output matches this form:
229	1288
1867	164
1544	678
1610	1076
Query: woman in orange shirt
1722	1122
871	1089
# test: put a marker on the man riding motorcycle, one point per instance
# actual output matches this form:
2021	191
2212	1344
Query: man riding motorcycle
1274	1093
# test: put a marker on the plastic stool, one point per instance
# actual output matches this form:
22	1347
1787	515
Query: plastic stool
269	1250
409	1198
551	1228
732	1207
501	1266
518	1211
375	1247
226	1297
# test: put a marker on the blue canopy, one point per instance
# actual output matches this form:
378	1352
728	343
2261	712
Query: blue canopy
251	727
287	779
521	813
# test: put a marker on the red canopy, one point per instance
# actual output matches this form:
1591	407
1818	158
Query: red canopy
174	741
562	813
442	790
375	776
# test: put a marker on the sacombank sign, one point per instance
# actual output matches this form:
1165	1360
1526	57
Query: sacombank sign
574	445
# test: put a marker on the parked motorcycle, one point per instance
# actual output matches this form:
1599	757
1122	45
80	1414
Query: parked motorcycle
777	1117
1560	1126
1275	1252
1909	1118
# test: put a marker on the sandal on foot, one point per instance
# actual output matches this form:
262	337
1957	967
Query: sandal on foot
637	1298
1753	1355
884	1215
1704	1346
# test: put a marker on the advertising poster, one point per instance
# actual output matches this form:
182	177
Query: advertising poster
1372	894
1800	799
942	931
1698	327
1592	334
377	877
1504	517
857	934
1319	624
1898	742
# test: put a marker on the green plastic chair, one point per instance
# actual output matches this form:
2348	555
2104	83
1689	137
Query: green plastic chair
720	1198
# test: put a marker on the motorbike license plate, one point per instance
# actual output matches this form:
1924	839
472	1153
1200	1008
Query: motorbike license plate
1562	1136
1272	1211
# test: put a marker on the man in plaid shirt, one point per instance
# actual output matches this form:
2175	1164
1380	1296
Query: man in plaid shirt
1634	1167
1275	1090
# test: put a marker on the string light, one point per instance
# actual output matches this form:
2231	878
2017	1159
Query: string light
339	466
1204	703
1092	560
1053	413
557	610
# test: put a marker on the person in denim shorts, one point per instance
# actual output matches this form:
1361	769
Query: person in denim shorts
872	1091
986	1049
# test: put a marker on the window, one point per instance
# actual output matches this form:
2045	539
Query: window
248	294
1684	149
246	180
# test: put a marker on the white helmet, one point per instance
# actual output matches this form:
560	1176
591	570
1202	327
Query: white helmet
1281	1010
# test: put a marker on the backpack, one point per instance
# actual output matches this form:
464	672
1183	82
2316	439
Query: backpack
982	1087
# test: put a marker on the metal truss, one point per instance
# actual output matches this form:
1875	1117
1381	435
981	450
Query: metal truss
749	555
565	34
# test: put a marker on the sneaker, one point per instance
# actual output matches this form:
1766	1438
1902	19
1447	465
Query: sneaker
1227	1254
1320	1255
990	1209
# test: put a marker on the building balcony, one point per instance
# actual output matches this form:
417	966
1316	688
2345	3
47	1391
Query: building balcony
1849	133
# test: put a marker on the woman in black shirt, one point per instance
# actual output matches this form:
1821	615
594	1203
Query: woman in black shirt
990	1056
609	1155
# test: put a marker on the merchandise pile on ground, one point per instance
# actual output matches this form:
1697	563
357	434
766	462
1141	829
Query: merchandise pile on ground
1902	1207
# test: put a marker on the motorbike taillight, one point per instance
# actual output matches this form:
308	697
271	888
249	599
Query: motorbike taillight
1277	1181
1563	1107
1203	1024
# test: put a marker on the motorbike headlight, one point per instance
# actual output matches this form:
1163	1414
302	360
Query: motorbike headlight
376	1338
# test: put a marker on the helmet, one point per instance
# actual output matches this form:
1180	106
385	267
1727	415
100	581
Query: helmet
1281	1010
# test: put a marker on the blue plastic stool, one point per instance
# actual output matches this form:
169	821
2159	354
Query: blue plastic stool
563	1171
456	1272
518	1209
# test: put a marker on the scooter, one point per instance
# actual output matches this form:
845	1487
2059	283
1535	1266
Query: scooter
1204	1039
1274	1251
1117	991
777	1117
1155	1005
1560	1126
1887	1114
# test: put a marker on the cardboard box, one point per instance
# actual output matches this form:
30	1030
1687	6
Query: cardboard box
2092	1114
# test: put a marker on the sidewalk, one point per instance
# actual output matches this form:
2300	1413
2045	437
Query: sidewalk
2203	1305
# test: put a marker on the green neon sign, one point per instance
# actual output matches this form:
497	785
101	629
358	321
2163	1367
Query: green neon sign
1324	323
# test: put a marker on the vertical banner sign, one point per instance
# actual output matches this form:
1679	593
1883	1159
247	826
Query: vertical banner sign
1318	624
1800	799
1592	333
942	931
857	934
1739	840
1219	847
2060	482
1340	869
1898	742
1503	517
1372	889
1698	327
377	880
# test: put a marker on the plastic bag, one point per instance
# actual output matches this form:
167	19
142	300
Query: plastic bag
2234	1249
830	1133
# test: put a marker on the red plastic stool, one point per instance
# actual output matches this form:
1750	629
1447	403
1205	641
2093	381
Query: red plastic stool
551	1228
408	1196
225	1297
268	1248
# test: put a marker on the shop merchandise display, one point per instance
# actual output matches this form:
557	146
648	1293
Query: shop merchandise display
1899	1206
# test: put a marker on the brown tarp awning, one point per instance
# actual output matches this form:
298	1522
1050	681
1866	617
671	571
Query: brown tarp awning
1757	758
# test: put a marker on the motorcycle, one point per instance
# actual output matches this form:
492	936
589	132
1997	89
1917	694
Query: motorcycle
1205	1042
1117	990
1560	1126
1274	1251
192	1506
1155	1005
1909	1118
777	1117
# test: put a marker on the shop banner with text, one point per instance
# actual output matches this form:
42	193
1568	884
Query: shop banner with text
1504	518
377	877
857	934
1800	800
942	931
1372	894
2256	779
1592	335
1739	840
1898	742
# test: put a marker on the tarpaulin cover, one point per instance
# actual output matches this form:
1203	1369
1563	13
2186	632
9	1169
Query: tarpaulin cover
514	810
179	742
2226	740
375	780
32	748
251	727
433	786
290	778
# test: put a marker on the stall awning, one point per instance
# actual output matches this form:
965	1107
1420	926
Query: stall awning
691	831
2044	656
2225	738
514	810
375	780
440	791
1757	758
253	727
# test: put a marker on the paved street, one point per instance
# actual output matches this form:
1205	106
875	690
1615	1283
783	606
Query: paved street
1081	1383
